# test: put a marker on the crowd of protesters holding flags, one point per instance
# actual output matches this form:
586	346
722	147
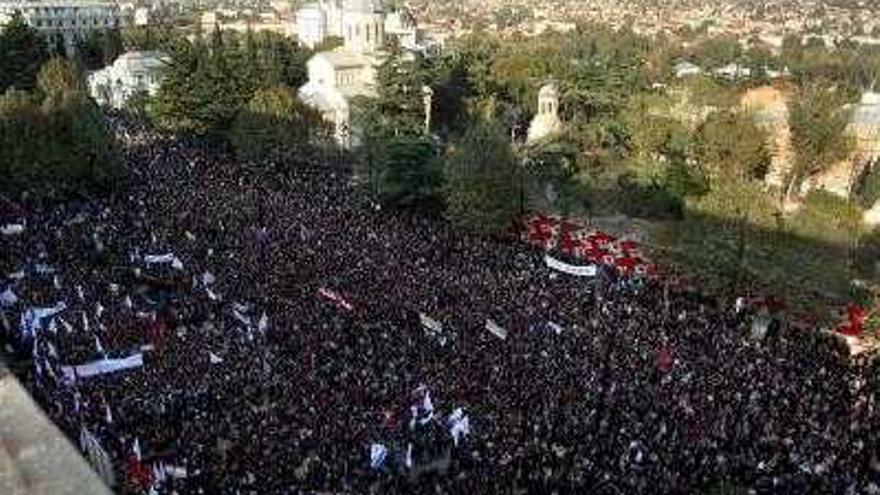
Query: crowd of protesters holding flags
219	331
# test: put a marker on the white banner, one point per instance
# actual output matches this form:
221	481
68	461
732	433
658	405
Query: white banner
103	366
164	259
496	330
579	271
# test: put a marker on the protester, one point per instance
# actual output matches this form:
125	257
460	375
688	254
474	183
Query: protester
225	332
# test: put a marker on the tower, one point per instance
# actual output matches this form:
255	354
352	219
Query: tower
546	121
363	26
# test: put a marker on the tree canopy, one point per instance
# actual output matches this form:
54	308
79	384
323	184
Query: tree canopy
22	52
483	181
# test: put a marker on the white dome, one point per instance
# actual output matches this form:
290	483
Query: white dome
548	91
363	6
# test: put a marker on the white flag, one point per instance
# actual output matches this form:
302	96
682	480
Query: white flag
427	408
263	324
212	296
555	327
11	229
215	359
496	330
127	302
108	416
56	283
67	326
408	461
8	298
99	348
459	425
99	310
136	448
378	452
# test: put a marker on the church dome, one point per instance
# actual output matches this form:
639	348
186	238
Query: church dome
363	6
549	91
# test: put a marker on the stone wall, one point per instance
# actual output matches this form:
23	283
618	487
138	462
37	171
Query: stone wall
35	457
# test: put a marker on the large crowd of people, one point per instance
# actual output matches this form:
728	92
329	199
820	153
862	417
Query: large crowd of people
219	330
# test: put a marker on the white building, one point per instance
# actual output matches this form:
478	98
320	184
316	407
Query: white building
402	25
546	122
62	22
317	21
131	73
349	71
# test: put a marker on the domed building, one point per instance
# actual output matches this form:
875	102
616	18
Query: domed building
337	76
546	122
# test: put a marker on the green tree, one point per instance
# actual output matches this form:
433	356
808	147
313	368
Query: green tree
407	172
22	127
818	134
203	88
206	84
481	181
59	76
550	171
149	38
276	126
716	52
22	52
62	146
729	144
399	108
99	48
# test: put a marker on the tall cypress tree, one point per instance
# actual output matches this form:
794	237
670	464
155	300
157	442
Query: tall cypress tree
22	52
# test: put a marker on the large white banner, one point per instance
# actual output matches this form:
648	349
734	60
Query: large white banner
103	366
579	271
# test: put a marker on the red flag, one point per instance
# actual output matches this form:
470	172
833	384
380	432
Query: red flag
627	246
568	244
600	238
625	263
855	321
541	230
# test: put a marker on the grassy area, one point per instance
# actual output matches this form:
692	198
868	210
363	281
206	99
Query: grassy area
806	259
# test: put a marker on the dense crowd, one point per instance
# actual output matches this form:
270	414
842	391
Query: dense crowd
277	318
